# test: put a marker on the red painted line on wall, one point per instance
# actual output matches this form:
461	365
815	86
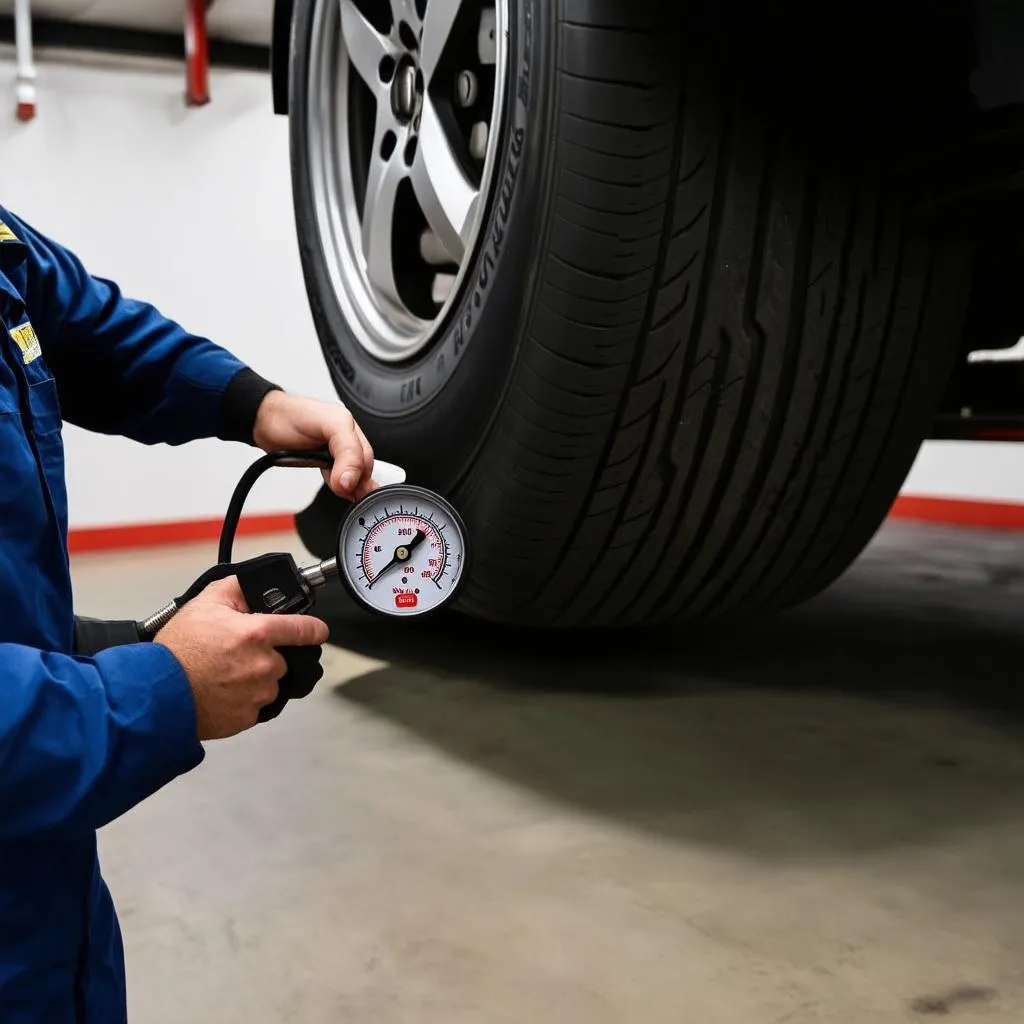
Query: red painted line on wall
145	535
997	515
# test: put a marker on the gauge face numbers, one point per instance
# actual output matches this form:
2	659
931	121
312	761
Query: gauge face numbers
402	551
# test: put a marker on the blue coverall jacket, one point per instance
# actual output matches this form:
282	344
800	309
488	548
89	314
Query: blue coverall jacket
82	740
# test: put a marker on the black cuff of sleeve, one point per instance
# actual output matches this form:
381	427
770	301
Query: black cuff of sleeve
240	404
95	635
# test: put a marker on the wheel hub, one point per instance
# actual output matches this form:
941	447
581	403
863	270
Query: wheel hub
406	91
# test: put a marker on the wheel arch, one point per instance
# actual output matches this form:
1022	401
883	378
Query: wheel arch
998	78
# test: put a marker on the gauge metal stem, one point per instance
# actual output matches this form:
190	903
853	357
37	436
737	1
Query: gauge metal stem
317	575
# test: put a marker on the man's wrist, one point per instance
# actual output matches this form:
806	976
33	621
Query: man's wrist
240	405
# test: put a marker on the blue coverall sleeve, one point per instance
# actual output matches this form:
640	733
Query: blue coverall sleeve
122	367
84	740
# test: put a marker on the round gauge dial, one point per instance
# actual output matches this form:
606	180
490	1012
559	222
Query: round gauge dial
402	551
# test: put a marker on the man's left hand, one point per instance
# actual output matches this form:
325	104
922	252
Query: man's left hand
295	423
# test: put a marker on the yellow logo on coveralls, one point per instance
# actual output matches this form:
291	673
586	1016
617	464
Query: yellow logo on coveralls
6	234
25	338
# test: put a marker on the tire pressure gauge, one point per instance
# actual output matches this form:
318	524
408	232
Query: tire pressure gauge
402	551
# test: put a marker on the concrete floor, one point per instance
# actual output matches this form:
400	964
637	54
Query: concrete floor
815	819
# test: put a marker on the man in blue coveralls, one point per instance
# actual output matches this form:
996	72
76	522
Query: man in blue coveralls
84	739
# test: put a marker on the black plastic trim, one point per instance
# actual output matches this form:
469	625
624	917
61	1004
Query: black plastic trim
72	35
280	53
998	78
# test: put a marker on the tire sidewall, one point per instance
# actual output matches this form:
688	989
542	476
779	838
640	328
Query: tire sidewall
454	390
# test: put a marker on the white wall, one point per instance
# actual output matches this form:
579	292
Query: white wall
971	470
191	209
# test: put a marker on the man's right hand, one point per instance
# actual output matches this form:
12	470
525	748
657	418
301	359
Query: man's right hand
229	657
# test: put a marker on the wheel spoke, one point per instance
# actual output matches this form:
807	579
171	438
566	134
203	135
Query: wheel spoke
382	184
405	10
437	27
448	198
365	45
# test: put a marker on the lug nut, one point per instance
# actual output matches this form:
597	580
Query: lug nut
478	140
432	250
467	88
441	288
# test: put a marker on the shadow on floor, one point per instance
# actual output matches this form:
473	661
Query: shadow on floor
887	711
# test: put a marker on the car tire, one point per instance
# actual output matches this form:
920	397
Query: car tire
704	331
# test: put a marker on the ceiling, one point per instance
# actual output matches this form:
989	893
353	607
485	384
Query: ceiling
245	21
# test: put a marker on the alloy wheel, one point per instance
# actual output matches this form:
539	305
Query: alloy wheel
407	98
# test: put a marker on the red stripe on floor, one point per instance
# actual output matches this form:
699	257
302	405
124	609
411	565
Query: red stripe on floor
999	515
145	535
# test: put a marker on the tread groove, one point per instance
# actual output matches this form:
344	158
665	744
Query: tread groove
637	361
756	333
769	452
720	358
622	82
888	439
817	408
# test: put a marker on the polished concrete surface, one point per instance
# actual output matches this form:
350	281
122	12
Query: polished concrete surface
819	818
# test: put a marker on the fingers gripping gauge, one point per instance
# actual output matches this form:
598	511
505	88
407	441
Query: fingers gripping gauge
402	551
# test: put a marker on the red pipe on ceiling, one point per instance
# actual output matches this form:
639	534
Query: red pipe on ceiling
197	54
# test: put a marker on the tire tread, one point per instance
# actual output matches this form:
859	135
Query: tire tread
736	350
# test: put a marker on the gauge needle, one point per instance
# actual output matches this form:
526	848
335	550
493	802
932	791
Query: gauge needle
402	554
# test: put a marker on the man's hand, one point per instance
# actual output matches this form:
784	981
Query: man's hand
295	423
229	656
